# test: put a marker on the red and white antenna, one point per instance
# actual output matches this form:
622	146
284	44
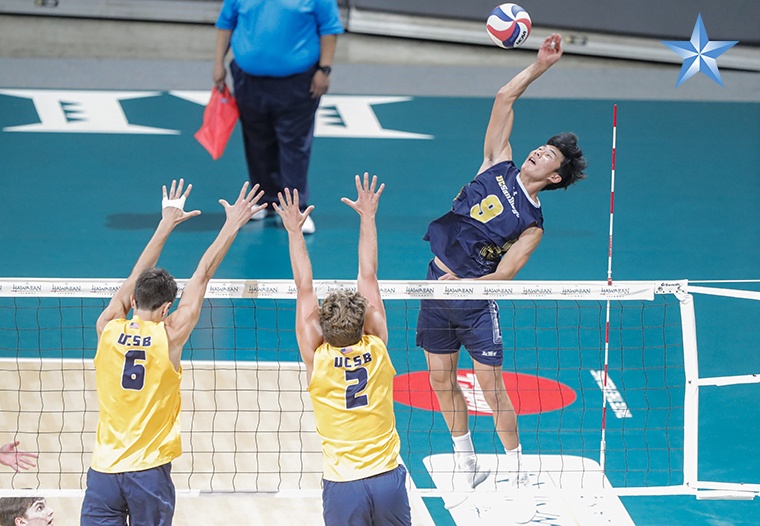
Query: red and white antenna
603	445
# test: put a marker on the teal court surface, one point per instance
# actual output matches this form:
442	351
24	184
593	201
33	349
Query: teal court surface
81	184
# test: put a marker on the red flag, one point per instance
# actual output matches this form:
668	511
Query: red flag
219	120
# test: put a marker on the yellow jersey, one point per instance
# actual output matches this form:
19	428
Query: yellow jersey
351	390
139	398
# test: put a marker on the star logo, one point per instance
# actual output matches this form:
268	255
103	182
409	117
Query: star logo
699	53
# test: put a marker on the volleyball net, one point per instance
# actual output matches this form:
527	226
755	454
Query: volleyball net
247	420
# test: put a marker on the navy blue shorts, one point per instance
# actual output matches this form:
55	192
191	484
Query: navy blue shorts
375	501
146	497
443	326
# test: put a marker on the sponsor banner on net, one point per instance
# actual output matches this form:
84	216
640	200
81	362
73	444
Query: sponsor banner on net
574	290
458	291
325	288
262	289
106	290
415	290
51	288
516	290
66	289
26	289
224	289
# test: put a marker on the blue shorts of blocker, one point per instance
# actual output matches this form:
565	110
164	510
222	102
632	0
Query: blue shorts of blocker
375	501
443	326
146	497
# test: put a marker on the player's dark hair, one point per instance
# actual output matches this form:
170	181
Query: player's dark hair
12	507
571	169
154	287
341	316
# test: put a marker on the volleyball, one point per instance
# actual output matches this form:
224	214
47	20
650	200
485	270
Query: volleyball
508	25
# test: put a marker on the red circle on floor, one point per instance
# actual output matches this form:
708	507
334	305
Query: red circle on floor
529	394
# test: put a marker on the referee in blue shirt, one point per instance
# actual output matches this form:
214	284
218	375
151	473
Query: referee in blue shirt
283	52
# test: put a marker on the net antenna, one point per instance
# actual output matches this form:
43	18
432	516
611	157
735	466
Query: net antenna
603	444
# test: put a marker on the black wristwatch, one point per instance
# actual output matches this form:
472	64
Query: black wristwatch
326	70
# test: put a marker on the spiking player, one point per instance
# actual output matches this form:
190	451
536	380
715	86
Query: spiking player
350	377
493	227
138	373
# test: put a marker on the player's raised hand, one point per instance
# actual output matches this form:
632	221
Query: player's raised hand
173	203
17	460
290	212
246	205
551	49
367	198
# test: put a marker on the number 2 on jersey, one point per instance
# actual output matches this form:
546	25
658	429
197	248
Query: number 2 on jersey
487	209
353	398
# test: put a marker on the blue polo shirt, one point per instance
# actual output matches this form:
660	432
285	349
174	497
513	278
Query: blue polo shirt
277	38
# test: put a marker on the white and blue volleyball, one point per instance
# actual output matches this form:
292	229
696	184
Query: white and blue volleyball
508	25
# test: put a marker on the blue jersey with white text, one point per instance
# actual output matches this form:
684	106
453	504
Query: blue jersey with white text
486	218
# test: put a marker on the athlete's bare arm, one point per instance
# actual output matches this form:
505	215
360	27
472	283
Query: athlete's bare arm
172	214
496	147
308	330
182	321
366	206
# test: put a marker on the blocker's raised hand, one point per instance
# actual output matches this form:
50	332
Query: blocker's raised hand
290	212
246	205
173	202
368	199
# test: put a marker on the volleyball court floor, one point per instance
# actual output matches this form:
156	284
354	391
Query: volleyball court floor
81	192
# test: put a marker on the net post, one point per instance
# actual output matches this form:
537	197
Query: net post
691	390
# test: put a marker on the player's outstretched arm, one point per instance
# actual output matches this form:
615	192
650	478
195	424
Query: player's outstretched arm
496	146
172	214
367	201
16	460
308	330
182	321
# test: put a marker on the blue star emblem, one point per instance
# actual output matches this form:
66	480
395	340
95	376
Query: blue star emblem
699	53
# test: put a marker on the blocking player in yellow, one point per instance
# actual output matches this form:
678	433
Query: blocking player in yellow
350	376
138	372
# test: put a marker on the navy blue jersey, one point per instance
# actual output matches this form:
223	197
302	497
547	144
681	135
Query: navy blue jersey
486	218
